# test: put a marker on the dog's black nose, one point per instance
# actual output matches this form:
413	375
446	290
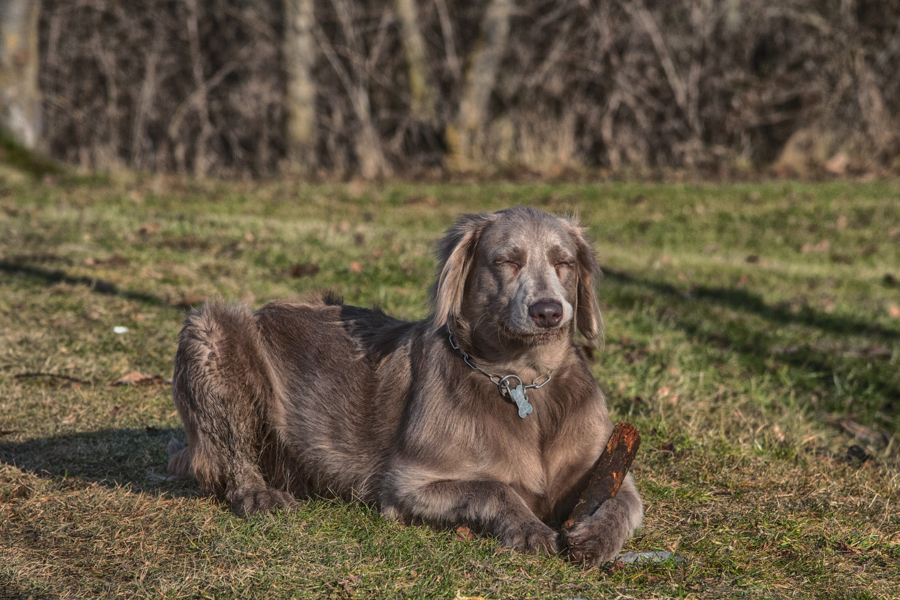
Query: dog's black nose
546	313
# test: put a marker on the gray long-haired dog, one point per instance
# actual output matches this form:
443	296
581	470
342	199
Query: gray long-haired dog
484	414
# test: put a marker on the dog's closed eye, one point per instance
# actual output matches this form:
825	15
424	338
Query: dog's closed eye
510	264
563	264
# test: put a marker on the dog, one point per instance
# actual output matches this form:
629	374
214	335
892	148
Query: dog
484	414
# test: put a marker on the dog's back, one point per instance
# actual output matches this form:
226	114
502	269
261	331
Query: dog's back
312	372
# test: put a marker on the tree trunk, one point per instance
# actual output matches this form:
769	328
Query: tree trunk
367	142
300	97
466	136
422	105
20	103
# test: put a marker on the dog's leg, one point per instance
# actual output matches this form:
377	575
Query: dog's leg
600	537
225	397
179	460
490	506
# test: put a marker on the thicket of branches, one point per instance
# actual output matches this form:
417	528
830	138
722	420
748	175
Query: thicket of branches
200	86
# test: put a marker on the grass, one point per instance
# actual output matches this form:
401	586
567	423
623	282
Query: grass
753	338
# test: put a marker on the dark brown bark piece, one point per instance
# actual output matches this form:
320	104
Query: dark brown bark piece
609	473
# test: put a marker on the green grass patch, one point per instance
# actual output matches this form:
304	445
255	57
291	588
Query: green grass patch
753	337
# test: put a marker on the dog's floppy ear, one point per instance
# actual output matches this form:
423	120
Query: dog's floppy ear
455	254
587	315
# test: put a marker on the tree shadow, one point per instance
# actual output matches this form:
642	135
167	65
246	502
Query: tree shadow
747	301
99	286
133	459
862	374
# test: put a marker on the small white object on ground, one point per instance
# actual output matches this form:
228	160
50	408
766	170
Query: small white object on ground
656	556
120	329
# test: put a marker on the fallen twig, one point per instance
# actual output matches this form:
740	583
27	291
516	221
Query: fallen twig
609	473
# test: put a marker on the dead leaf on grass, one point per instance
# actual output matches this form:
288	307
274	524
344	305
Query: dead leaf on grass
464	533
894	311
190	301
303	270
348	583
845	548
356	267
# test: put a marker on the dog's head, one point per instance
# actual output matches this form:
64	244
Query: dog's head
519	275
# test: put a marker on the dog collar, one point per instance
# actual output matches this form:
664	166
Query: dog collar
516	394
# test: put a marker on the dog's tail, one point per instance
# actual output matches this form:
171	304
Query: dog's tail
180	460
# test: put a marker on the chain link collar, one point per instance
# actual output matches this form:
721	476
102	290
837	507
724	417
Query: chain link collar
517	394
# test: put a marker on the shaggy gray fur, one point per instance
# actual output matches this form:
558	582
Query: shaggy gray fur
314	396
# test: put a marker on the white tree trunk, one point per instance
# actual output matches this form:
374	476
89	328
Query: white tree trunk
300	100
20	102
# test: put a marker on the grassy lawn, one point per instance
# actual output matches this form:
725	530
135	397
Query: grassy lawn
753	337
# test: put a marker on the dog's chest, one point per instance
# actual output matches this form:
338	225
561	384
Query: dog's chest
542	460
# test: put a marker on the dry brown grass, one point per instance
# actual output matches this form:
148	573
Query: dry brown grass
766	388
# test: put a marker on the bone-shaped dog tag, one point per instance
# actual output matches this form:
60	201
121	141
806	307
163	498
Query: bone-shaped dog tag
518	395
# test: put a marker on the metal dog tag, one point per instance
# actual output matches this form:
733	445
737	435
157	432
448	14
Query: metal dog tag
518	395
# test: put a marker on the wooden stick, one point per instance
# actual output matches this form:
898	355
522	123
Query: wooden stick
609	473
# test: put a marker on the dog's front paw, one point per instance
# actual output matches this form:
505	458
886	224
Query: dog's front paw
598	539
530	536
591	544
252	502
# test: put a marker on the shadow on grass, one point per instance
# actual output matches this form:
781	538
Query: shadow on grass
746	301
133	459
862	375
99	286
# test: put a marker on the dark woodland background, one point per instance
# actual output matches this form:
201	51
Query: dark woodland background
240	88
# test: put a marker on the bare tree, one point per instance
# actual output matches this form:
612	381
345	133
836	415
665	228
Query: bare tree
465	136
300	99
371	87
355	81
422	105
20	102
